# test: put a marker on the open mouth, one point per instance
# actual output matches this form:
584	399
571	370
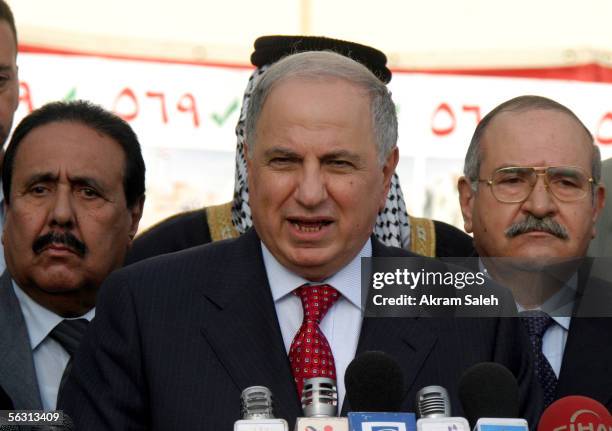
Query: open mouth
309	226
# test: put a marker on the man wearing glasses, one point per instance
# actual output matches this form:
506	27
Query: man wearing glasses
530	195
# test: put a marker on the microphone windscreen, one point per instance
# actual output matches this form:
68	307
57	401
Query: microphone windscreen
575	413
374	383
488	390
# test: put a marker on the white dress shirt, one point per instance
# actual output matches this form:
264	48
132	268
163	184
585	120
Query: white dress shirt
342	323
49	356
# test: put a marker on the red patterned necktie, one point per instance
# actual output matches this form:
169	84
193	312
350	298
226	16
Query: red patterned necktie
310	354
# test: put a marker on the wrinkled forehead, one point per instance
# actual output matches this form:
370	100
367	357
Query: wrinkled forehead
535	137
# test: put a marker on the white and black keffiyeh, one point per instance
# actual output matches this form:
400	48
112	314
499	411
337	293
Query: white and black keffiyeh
392	224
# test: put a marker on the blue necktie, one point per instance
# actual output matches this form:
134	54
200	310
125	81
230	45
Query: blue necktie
537	322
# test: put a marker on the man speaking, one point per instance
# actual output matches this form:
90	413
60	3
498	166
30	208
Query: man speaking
178	337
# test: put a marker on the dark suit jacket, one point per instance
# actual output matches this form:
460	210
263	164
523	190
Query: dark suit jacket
178	337
190	229
586	368
6	403
17	374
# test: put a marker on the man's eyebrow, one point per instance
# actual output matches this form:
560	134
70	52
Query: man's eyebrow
342	154
87	181
43	177
280	151
6	68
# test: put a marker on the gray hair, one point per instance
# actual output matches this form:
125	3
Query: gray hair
473	157
326	64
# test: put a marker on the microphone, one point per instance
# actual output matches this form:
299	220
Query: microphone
434	410
374	390
575	413
433	402
374	383
257	415
320	406
489	394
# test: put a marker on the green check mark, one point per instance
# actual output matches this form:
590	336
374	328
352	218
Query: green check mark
71	95
220	119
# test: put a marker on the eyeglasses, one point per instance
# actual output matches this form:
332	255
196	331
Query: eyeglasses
514	184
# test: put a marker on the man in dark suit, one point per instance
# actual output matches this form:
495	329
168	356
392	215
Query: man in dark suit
178	337
73	180
531	195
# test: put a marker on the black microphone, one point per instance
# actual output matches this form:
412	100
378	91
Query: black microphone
374	389
374	383
489	392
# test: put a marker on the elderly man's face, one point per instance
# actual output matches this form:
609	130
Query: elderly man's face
531	138
315	183
67	225
9	83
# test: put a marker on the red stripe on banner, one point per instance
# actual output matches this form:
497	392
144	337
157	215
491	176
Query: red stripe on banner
33	49
591	72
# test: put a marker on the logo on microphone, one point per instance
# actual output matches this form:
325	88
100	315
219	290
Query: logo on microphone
584	420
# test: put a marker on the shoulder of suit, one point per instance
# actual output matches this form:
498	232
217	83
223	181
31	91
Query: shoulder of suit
224	252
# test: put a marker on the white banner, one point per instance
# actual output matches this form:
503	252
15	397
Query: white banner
185	117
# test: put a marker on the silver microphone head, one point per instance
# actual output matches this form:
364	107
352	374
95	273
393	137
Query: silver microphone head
256	403
320	397
433	402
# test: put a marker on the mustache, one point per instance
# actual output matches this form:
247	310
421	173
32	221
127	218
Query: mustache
66	239
535	224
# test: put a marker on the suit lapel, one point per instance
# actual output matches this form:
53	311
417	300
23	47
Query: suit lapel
17	374
241	318
408	340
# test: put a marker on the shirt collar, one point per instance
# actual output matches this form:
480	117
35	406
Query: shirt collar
39	320
559	306
347	281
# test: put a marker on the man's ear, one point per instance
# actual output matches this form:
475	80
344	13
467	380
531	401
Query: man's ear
599	201
388	171
466	202
135	216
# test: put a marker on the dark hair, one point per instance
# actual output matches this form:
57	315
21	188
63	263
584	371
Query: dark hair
7	16
99	120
